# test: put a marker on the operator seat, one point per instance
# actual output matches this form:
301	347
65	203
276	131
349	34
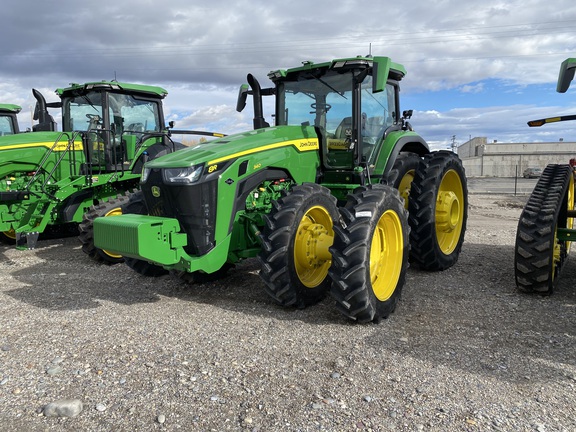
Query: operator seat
345	124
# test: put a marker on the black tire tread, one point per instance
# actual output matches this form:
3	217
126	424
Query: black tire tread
351	287
279	281
425	251
86	228
542	214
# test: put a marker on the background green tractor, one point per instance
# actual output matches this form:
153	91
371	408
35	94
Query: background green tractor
546	225
50	180
317	197
8	119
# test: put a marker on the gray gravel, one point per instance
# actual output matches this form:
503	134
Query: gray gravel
463	351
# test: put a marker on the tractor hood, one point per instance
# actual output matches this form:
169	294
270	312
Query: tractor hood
213	153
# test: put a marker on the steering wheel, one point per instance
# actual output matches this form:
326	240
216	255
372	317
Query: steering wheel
324	106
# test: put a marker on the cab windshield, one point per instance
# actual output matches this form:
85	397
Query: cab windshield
6	125
328	102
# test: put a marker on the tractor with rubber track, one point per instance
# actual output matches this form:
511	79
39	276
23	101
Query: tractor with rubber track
9	119
334	198
546	226
52	182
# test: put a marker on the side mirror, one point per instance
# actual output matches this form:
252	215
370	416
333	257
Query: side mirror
242	96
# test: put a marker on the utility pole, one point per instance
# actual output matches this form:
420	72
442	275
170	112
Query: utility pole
454	146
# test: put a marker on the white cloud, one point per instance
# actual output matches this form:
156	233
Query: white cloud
202	53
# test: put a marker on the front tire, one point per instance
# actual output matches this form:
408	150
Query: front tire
113	207
539	255
370	255
295	258
438	211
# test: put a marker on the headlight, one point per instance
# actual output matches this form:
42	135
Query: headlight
183	175
145	174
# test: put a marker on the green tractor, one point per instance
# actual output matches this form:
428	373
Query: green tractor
52	182
546	225
329	198
8	119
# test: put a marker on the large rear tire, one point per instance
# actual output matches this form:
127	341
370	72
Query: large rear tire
402	174
370	255
539	255
112	207
438	211
295	258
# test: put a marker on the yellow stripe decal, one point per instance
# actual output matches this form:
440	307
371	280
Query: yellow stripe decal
301	145
60	147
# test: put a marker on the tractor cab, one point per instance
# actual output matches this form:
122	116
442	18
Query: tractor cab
114	117
353	104
8	119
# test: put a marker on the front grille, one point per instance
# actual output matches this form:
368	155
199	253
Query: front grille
194	206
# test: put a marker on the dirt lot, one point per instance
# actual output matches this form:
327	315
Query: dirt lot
463	351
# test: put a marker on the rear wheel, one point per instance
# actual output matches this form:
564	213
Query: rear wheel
370	255
402	174
438	211
539	255
295	258
113	207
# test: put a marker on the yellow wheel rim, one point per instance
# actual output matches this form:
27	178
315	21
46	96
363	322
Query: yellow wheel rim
449	211
405	185
313	238
114	212
386	254
11	234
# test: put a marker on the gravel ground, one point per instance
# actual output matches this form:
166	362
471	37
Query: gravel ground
463	351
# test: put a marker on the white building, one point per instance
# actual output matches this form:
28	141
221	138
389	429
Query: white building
495	159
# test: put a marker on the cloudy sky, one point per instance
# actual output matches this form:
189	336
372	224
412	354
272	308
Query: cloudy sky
474	68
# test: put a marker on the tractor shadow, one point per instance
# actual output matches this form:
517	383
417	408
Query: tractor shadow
472	317
58	276
468	317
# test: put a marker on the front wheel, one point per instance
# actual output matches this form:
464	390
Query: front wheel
112	207
438	211
295	258
370	254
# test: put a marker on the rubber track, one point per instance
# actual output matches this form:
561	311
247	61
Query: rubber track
351	287
535	237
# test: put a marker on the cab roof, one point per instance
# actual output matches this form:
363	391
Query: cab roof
114	86
385	64
10	108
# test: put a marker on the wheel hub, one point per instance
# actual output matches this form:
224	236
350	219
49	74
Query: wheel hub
447	211
314	241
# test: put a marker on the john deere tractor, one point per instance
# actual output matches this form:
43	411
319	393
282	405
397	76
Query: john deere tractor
53	181
329	198
546	226
8	119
